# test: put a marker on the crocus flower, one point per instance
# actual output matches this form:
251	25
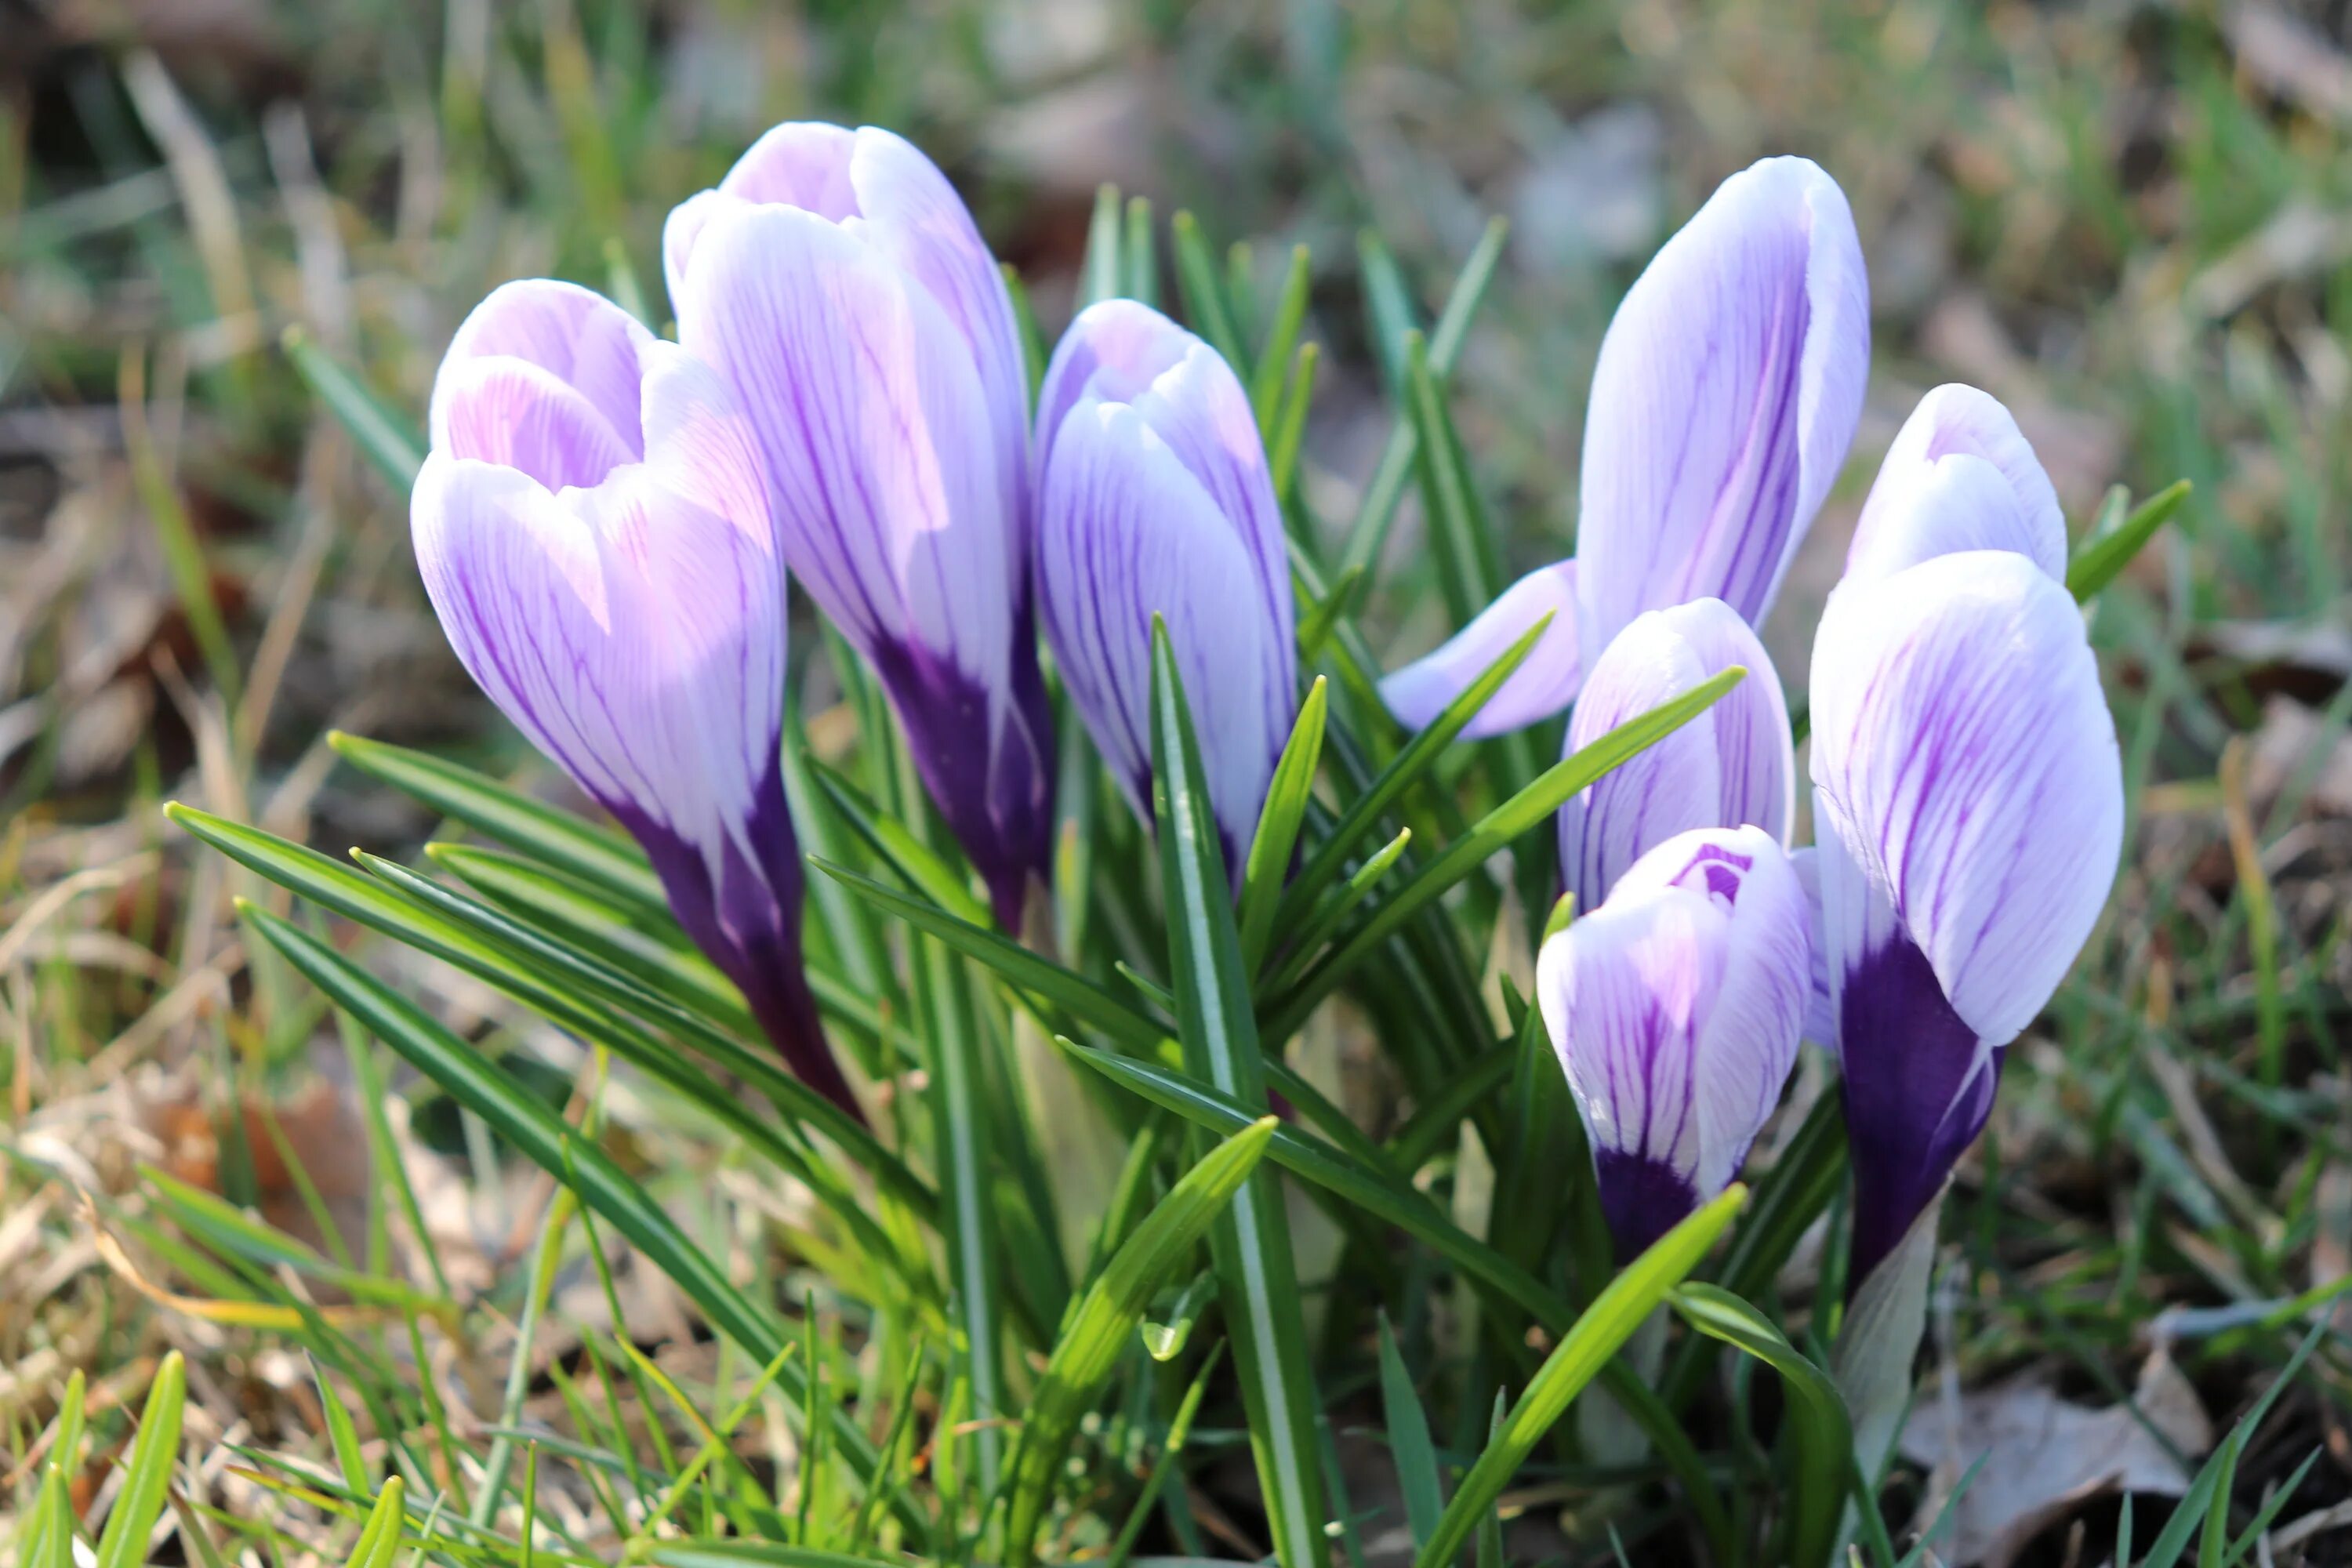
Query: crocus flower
1675	1007
1154	499
1968	798
1961	476
1732	765
836	283
592	525
1725	394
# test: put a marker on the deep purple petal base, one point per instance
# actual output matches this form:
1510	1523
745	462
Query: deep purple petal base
1641	1199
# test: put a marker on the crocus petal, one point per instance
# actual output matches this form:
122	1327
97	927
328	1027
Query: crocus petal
1820	1010
1968	795
1730	766
1545	683
1961	476
1725	393
512	413
1675	1007
892	500
580	338
1127	532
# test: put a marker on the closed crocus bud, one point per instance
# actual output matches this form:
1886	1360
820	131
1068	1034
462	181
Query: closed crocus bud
1723	401
1154	499
836	283
1968	801
592	525
1732	765
1961	476
1675	1007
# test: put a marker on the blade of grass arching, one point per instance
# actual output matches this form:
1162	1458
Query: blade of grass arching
901	848
2104	555
1257	1277
1529	806
147	1474
342	1432
1469	569
545	1255
1139	256
2213	1482
604	860
2241	1549
1101	276
1410	1449
1788	1199
1023	970
1821	1436
1202	291
1105	1322
552	1145
232	1231
1336	912
1370	532
388	440
1277	827
1597	1335
1272	367
1172	1453
1411	764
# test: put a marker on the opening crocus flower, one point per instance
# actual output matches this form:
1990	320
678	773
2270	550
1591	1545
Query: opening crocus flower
1731	766
837	283
1961	476
1154	498
592	525
1968	798
1675	1007
1725	397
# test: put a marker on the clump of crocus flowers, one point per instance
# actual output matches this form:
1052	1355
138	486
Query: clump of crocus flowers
606	523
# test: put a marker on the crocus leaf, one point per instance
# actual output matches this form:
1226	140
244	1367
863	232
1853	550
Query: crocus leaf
1463	539
1599	1332
1821	1435
147	1474
1203	291
1277	825
1098	1333
2104	555
603	858
1100	275
1410	1449
1273	367
390	443
897	845
1257	1277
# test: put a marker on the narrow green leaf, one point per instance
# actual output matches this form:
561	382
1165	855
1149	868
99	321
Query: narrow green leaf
1821	1436
1179	1429
1461	537
1024	321
1290	427
1257	1277
1277	825
147	1477
1322	616
1410	1448
2104	555
342	1432
1204	293
1524	810
1096	1335
1101	277
390	442
1274	358
1139	256
604	860
1336	909
897	844
1603	1327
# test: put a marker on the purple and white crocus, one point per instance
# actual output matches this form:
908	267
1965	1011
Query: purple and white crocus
1154	498
1675	1007
1733	765
1725	394
1967	797
837	281
592	524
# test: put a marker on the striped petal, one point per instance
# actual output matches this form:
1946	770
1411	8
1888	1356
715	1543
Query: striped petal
1545	683
582	341
1961	476
1725	393
1731	765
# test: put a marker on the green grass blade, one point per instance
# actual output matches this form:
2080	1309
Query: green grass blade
1410	1448
2104	555
1179	1429
1273	366
601	859
390	442
1290	423
1139	256
1257	1277
1098	1333
1492	832
147	1480
1203	291
1462	540
1277	825
1821	1435
1603	1327
1101	277
898	845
